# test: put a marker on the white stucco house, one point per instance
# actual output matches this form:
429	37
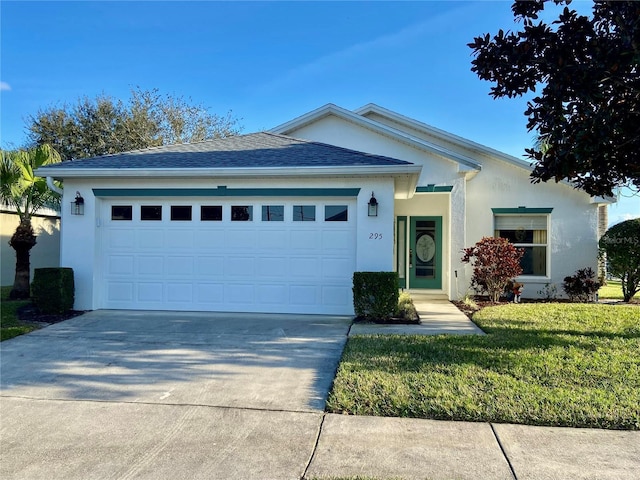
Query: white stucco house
278	221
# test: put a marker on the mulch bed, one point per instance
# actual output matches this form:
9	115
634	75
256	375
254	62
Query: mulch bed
388	321
30	314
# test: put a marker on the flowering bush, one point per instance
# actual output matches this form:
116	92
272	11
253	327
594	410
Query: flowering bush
495	261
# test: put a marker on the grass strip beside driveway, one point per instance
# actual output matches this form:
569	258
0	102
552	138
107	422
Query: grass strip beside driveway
552	364
10	326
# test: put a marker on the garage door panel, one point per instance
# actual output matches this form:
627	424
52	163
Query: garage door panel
271	267
334	295
236	266
273	240
304	267
240	239
150	292
210	293
303	295
207	238
150	265
272	294
120	291
180	239
150	239
223	265
180	292
337	241
239	294
121	239
179	265
336	268
210	266
121	264
305	240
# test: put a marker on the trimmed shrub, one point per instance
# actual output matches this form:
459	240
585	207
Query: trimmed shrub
52	290
375	294
406	308
620	245
495	262
581	287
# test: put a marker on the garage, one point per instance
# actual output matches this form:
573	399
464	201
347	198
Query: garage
259	223
240	254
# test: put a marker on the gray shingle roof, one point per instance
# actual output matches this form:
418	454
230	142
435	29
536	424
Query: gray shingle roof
243	151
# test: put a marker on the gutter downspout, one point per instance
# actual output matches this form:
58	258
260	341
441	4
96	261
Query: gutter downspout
53	187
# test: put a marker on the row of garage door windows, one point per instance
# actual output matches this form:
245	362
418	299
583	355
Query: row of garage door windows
239	213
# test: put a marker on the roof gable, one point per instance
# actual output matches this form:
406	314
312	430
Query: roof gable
466	163
408	124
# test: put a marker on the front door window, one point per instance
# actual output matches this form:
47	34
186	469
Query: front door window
426	252
425	237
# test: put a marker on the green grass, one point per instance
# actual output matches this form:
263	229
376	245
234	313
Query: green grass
540	364
10	326
613	290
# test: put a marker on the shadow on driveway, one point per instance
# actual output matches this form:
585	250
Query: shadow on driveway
258	361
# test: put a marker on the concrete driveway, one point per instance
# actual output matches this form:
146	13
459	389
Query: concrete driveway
116	394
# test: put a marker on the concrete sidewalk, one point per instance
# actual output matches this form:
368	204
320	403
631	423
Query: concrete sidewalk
437	316
400	448
167	395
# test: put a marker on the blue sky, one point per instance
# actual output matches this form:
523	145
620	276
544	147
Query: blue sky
267	62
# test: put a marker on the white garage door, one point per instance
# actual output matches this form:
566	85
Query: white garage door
292	256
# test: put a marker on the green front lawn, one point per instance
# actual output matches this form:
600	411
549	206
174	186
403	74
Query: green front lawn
613	291
10	326
540	364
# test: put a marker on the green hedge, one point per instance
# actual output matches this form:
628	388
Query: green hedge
375	294
52	290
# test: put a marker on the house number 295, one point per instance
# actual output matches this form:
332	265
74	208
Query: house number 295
375	236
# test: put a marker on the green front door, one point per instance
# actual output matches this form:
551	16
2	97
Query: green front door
425	253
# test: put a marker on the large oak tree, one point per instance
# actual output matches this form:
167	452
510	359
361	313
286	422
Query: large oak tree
104	125
587	71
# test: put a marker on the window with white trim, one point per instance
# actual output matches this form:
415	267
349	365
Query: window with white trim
530	233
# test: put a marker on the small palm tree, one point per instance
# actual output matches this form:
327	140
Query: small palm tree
23	190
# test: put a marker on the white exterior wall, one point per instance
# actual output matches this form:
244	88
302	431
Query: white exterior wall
466	211
573	235
79	243
436	170
374	251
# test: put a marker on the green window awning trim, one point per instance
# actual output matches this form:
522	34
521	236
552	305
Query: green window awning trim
431	188
223	191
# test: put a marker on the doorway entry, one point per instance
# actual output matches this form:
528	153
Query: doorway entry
425	252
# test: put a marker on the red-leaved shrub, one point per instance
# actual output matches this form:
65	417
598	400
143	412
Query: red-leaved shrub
495	261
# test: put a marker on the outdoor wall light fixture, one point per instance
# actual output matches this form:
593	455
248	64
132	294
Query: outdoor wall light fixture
373	206
77	206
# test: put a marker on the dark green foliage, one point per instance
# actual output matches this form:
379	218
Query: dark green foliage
585	71
52	290
621	247
375	294
104	125
581	287
406	309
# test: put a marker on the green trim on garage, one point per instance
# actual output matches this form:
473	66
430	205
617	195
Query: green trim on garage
520	210
223	191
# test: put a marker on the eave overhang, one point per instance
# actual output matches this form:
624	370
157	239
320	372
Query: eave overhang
398	135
